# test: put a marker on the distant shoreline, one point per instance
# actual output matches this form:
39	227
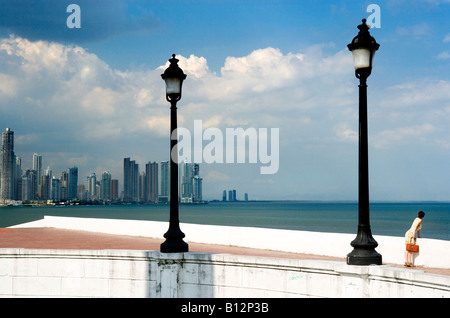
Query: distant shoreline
98	203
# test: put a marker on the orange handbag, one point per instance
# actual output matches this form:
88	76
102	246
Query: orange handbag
412	248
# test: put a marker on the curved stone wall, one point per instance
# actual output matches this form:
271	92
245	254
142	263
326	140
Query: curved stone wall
124	273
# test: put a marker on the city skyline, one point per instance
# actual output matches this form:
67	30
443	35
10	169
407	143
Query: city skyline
38	184
93	95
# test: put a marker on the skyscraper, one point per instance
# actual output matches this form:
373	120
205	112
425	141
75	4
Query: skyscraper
165	183
114	189
26	194
186	190
151	182
56	189
91	186
32	192
197	188
37	166
105	186
45	187
8	165
130	180
231	195
142	187
72	192
191	183
64	185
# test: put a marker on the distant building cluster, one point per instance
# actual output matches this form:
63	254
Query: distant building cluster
232	196
191	183
143	187
32	184
38	185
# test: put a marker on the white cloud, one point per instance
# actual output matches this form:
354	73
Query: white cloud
416	30
159	124
403	135
67	103
344	133
444	55
415	112
421	92
66	88
8	85
446	38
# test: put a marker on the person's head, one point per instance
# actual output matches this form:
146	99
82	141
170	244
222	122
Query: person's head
421	214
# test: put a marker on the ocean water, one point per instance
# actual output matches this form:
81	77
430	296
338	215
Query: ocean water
392	219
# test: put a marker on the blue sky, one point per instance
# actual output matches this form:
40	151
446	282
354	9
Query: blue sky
92	96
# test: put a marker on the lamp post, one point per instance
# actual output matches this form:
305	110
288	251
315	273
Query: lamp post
173	76
363	49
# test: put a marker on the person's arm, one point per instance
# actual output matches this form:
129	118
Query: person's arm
418	228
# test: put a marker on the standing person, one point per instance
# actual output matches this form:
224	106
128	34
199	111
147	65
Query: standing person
410	236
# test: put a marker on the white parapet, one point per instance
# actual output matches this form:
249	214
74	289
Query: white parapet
433	253
131	273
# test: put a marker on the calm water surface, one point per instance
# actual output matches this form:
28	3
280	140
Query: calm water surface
392	219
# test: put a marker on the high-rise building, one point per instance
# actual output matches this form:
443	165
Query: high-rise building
32	192
8	166
82	193
197	184
44	189
186	190
130	180
165	183
114	189
64	185
142	180
56	189
224	195
151	182
197	187
72	192
37	166
91	187
231	195
26	194
105	187
17	178
191	187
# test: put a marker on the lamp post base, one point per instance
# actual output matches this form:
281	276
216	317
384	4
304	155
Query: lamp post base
174	246
364	249
361	256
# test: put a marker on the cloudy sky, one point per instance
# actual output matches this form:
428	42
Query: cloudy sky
93	95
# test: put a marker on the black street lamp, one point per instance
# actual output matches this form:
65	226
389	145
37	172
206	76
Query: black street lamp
363	48
173	76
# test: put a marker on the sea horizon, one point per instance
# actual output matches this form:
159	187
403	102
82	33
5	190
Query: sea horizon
387	218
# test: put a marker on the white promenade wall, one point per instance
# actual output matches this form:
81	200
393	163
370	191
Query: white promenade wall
432	253
131	273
